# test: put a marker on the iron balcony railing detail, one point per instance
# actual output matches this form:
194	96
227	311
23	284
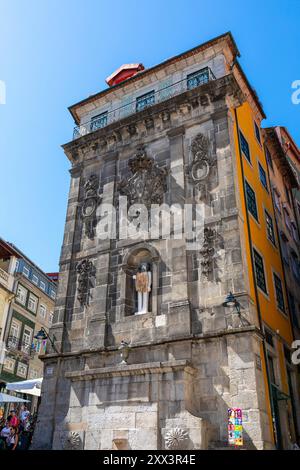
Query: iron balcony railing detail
15	344
142	102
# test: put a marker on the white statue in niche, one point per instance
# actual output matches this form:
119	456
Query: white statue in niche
143	279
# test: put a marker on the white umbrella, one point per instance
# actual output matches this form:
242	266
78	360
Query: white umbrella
5	398
31	387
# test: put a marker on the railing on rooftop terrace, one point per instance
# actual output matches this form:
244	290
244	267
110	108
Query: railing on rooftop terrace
140	103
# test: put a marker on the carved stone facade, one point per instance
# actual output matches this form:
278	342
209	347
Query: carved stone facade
187	362
85	270
89	205
147	184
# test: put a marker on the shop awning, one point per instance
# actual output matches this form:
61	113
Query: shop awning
31	387
5	398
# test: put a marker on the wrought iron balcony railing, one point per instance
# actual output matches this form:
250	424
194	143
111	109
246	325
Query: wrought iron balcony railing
149	99
16	344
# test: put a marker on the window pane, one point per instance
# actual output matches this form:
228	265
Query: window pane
144	101
263	176
245	147
21	295
251	201
257	133
99	121
197	78
279	293
259	271
270	228
42	311
32	303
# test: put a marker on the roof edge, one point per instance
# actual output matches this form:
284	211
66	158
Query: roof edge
147	71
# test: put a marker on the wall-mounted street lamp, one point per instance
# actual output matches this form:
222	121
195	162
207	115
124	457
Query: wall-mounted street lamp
231	301
42	335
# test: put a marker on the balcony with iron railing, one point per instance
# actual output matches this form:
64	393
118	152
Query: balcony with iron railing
17	345
149	99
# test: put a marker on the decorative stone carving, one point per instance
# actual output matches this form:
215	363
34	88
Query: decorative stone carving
148	182
71	442
131	130
89	205
125	350
86	272
165	116
149	123
207	251
202	161
176	438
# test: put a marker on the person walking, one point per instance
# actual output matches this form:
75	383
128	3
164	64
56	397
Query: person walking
5	432
14	422
13	439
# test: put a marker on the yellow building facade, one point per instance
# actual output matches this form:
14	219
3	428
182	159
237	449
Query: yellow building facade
265	268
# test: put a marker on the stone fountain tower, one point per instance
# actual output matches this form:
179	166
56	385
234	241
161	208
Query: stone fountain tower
163	376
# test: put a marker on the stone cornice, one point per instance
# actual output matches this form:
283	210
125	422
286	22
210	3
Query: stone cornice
123	370
163	116
190	338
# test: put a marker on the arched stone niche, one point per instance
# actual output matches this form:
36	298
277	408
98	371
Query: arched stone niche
143	253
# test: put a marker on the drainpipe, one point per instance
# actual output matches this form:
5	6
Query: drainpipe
254	282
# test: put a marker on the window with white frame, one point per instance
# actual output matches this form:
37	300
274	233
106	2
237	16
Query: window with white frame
32	302
27	339
42	285
14	333
21	294
53	294
50	318
279	292
25	271
35	279
270	227
22	370
43	311
9	364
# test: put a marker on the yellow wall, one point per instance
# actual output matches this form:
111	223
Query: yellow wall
271	315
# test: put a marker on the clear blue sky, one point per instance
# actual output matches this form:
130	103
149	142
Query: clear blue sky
55	53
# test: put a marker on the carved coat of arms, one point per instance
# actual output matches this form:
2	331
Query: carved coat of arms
148	182
202	161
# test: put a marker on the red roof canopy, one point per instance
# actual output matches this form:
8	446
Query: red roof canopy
124	72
